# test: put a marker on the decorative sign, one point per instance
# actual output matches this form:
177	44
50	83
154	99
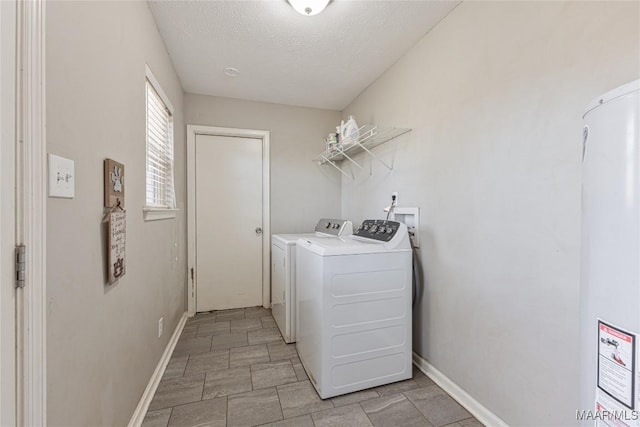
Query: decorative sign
113	184
117	239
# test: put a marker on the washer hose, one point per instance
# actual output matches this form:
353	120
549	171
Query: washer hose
417	275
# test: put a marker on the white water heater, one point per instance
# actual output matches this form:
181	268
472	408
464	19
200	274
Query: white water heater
610	291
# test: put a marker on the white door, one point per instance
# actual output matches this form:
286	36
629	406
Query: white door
7	216
228	199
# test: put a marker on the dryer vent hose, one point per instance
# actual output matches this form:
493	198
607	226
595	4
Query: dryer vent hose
418	286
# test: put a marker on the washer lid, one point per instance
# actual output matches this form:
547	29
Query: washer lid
289	239
331	246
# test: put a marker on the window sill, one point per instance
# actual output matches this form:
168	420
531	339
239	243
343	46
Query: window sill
154	214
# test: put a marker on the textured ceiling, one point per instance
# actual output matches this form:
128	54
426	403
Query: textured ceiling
323	61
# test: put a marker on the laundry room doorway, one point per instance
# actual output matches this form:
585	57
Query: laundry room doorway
228	218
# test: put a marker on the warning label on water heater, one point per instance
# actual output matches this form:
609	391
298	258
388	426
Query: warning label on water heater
617	364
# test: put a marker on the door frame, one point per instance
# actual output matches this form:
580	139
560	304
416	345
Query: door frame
192	279
30	205
8	163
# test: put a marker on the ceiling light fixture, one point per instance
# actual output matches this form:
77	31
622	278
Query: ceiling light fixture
308	7
231	72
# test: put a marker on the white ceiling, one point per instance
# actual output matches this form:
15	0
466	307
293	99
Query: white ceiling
323	61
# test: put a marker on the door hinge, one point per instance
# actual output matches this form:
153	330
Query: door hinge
21	262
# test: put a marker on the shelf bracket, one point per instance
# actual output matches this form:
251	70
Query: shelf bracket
350	159
332	163
375	157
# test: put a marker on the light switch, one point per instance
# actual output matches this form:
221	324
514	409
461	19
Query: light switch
61	177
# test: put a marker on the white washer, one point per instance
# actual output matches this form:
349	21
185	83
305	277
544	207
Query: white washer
283	272
354	308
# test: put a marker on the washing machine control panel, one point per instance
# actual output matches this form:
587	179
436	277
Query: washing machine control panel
377	229
334	227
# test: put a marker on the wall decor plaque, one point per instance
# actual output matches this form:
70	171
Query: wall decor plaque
117	240
113	184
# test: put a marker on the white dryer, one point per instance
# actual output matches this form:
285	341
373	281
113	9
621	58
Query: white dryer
283	272
354	308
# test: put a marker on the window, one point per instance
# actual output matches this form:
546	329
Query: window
160	192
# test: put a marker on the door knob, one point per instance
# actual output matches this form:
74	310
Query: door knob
258	231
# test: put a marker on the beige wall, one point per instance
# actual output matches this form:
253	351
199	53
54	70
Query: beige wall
102	344
301	191
495	95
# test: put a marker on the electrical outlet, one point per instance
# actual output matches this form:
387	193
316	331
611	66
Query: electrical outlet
160	326
394	197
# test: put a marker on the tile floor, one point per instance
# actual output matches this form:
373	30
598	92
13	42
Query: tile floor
232	368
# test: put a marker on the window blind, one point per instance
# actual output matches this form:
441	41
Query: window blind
160	189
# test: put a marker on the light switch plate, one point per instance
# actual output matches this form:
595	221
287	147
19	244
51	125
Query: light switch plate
61	177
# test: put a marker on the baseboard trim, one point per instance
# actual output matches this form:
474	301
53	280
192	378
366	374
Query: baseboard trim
147	396
476	409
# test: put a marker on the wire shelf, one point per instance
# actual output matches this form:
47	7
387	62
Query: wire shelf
370	137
